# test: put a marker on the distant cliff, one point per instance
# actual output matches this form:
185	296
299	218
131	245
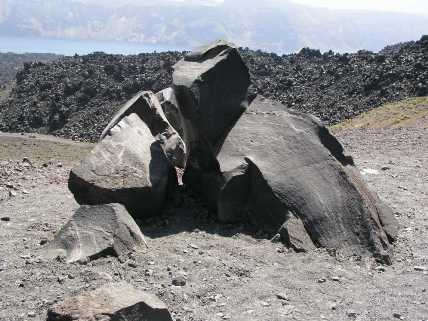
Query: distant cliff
278	26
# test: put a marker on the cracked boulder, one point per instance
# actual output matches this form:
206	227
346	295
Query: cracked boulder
127	166
111	302
277	165
210	85
147	106
171	110
96	231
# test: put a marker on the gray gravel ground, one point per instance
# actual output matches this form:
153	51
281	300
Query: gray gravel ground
230	274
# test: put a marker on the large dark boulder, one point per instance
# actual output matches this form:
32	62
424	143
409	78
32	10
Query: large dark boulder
147	106
210	85
94	231
277	164
111	302
127	166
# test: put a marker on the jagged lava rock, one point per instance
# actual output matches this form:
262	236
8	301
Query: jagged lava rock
211	86
94	231
112	302
277	163
147	106
127	166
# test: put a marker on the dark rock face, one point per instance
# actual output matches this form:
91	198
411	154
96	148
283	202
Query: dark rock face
148	108
94	231
129	167
112	302
211	86
277	164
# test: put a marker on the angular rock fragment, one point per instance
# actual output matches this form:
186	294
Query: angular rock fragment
210	85
146	105
276	164
112	302
95	231
170	108
127	166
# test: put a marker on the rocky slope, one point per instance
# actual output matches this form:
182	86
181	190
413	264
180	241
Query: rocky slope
76	96
10	63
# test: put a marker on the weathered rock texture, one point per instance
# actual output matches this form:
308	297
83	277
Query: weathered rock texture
147	107
112	302
94	231
278	168
276	164
211	86
128	166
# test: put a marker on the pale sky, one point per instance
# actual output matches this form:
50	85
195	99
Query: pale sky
408	6
404	6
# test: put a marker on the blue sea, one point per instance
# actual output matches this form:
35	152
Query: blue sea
71	47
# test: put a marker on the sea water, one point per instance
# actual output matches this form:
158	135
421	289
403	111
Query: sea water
80	47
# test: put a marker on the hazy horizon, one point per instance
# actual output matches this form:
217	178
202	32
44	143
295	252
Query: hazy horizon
281	26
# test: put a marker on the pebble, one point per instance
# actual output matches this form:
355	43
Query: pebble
380	268
179	280
420	268
282	296
352	314
132	264
265	304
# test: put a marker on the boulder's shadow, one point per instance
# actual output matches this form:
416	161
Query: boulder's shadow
186	213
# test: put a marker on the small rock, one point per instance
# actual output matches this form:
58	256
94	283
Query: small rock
12	193
264	303
105	276
282	296
179	280
352	314
380	268
322	280
132	264
420	268
5	219
385	168
31	314
335	279
118	301
397	316
193	246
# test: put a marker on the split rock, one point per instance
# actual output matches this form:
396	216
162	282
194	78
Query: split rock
94	231
211	86
277	163
112	302
127	166
170	108
147	106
